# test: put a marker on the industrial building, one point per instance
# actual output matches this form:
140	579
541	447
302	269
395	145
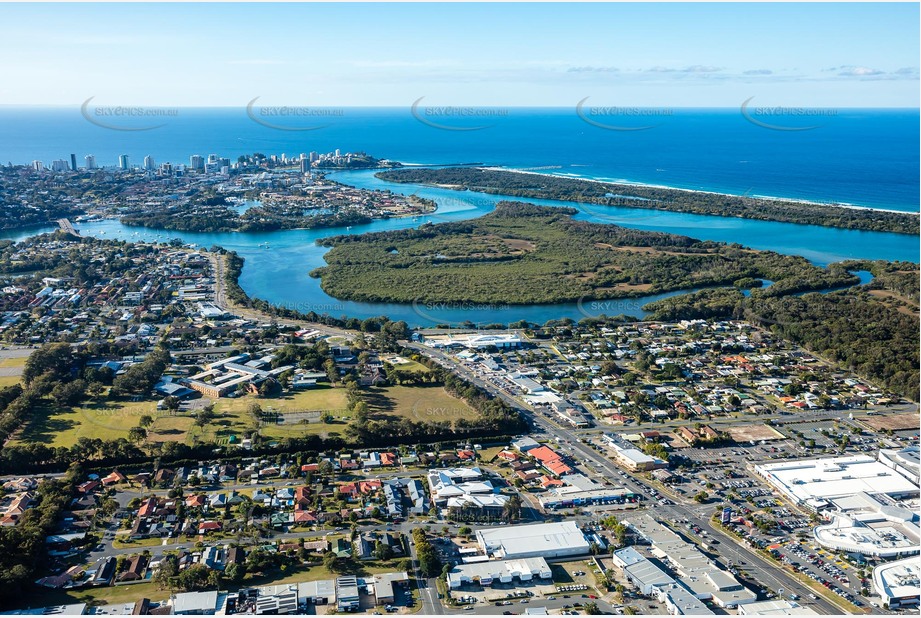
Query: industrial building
652	580
502	571
347	595
897	583
695	571
195	603
554	540
320	592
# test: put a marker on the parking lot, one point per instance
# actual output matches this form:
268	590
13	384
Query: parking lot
823	570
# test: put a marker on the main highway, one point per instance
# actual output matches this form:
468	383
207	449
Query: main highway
762	571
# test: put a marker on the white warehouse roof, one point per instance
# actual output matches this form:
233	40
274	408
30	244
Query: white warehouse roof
505	571
550	540
830	478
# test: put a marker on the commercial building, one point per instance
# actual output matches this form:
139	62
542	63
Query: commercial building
210	311
554	540
897	583
872	528
817	483
776	607
580	490
569	497
695	571
525	444
473	341
476	506
635	460
502	571
906	461
650	579
276	600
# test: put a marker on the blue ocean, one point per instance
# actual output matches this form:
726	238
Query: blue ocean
857	156
866	158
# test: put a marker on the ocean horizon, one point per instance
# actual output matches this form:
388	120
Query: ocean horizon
857	156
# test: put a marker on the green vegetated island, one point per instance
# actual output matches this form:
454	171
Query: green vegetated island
527	254
545	186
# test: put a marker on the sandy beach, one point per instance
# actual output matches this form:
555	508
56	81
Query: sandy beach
652	186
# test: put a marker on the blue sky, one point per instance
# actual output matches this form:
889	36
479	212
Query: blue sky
669	55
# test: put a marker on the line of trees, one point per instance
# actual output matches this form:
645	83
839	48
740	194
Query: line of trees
429	562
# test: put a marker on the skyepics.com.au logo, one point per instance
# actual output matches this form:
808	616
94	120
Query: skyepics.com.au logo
457	313
593	308
616	118
293	117
780	118
454	118
126	117
423	411
303	307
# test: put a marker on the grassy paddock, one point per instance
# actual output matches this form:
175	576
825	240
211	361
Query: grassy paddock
107	420
417	403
